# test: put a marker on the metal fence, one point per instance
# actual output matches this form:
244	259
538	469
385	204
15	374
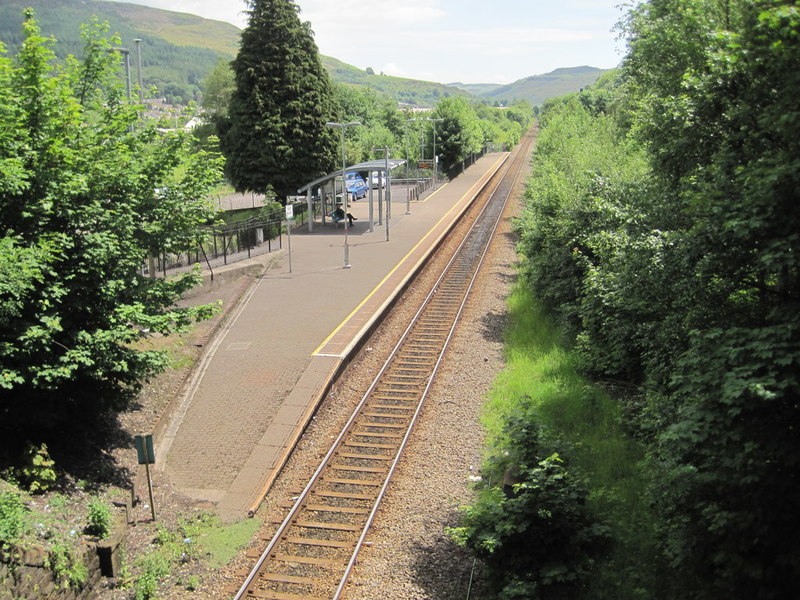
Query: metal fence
418	187
460	167
224	244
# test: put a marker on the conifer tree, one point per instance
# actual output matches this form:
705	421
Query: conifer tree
275	135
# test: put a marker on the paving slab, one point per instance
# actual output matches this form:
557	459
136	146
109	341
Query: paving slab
263	375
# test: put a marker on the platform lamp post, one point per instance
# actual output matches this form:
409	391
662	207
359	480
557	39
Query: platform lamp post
344	126
435	161
421	157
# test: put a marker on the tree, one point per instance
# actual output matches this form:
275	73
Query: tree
275	135
86	193
217	91
459	133
682	278
725	133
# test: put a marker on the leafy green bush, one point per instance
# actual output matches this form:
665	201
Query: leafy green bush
37	471
12	518
670	249
99	518
155	566
536	536
71	322
66	568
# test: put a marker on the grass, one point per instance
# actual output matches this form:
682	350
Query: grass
199	538
541	375
221	542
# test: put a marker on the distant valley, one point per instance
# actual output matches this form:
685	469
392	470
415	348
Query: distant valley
179	50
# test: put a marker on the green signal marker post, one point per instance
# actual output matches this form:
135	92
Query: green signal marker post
147	457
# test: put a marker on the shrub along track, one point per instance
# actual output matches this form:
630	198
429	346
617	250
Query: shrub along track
315	547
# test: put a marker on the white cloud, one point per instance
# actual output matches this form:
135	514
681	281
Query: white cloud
392	69
364	14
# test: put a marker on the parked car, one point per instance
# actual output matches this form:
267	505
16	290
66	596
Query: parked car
376	181
356	186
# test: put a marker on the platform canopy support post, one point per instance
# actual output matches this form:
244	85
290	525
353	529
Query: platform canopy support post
371	206
310	214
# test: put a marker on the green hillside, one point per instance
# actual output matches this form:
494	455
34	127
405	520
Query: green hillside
178	50
538	88
410	91
476	89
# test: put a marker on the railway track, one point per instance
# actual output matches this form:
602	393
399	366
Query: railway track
315	548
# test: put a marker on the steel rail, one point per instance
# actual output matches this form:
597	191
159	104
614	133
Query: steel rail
351	564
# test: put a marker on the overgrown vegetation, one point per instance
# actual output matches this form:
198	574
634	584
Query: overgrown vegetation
55	523
66	566
661	231
37	470
98	518
197	537
12	518
86	194
560	505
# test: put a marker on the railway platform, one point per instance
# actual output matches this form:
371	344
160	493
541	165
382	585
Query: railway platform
231	428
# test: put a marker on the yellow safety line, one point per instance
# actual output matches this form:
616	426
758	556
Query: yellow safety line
397	266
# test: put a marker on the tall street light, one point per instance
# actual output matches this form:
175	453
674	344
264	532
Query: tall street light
344	126
421	150
127	54
435	161
137	41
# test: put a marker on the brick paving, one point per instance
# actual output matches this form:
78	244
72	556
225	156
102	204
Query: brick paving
229	431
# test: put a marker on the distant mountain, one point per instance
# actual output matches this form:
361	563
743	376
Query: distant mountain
477	89
538	88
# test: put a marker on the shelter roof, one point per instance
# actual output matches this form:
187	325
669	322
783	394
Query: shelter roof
373	165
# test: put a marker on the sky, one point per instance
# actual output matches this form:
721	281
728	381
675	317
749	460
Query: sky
468	41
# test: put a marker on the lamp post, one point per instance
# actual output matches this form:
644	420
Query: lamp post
137	41
344	126
421	157
435	160
388	180
126	53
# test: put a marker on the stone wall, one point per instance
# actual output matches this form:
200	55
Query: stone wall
25	576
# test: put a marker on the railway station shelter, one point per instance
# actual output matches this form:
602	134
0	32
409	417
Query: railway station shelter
322	193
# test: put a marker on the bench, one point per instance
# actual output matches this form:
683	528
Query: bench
336	219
